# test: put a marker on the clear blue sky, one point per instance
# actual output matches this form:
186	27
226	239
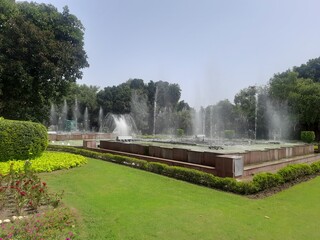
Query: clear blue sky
211	48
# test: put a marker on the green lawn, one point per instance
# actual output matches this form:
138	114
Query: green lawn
118	202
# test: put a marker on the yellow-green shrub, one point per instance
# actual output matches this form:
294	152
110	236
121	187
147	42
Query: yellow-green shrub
49	161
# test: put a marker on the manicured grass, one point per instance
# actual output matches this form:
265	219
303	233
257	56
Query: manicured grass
118	202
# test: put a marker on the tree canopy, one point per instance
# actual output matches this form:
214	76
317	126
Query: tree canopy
41	53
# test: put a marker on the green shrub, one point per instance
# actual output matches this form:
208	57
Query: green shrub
180	132
229	134
308	136
315	167
48	162
247	188
267	180
156	167
21	140
292	172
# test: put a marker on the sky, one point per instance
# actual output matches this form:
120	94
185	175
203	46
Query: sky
211	48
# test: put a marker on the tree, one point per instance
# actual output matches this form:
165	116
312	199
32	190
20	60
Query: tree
184	120
309	70
86	97
136	84
246	104
225	110
305	100
41	53
301	97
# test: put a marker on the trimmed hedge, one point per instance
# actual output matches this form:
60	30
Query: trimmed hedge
21	140
260	182
264	181
295	171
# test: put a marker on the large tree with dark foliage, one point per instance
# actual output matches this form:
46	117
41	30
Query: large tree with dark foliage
41	53
301	96
245	102
310	70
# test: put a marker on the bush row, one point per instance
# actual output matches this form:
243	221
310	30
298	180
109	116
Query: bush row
260	182
21	140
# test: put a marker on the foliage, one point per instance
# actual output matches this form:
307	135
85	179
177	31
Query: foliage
267	180
180	132
48	162
309	70
229	134
308	136
300	91
41	53
315	167
225	110
53	224
304	98
138	98
184	119
295	171
21	140
87	98
219	117
245	102
26	188
115	99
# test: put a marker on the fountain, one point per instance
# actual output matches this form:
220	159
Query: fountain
86	120
155	111
53	118
100	119
76	115
256	116
120	124
199	124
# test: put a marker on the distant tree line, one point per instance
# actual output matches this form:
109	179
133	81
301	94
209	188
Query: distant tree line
287	105
143	101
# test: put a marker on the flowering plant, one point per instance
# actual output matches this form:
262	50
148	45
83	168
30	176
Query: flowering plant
26	190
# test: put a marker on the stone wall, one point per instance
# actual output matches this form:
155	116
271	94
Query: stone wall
222	165
79	136
267	155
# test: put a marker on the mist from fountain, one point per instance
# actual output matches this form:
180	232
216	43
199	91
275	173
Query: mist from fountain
100	119
140	111
211	121
155	112
198	122
279	121
86	120
256	115
120	124
63	116
76	113
53	117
